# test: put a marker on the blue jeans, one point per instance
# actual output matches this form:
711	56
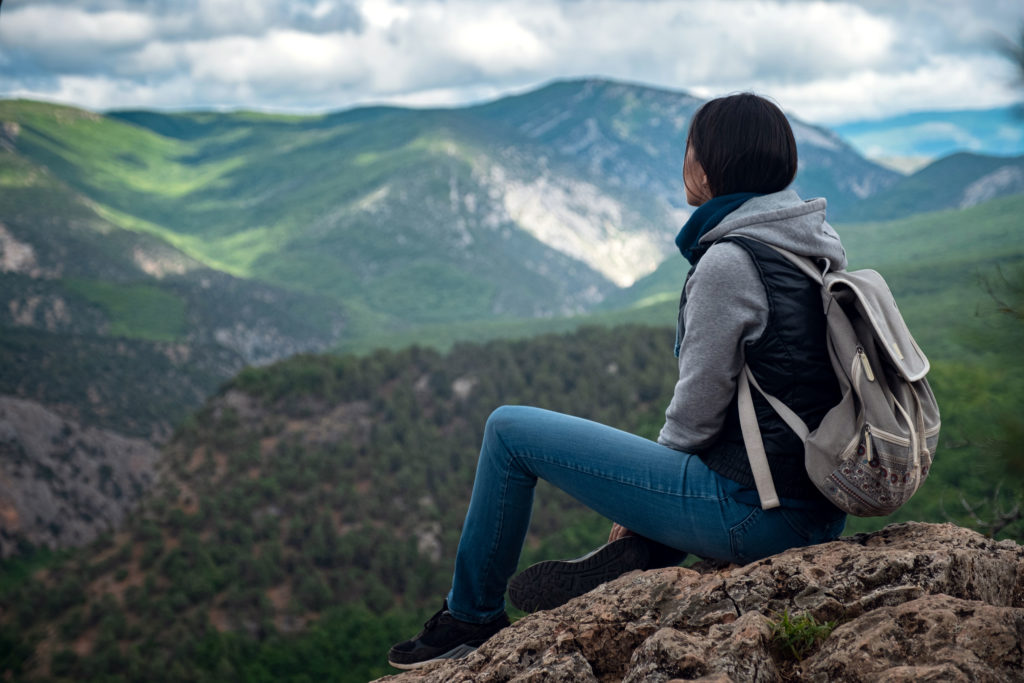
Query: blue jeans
658	492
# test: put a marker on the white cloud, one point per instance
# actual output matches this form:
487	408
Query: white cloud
282	58
946	82
825	61
232	17
498	41
157	58
381	14
46	27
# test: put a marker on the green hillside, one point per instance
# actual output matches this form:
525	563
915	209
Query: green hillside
409	221
476	210
346	206
409	218
956	181
95	310
938	264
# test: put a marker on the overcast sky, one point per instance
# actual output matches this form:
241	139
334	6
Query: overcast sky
827	62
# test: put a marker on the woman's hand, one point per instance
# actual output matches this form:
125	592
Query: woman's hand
618	531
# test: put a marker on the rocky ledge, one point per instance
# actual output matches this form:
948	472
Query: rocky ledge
912	602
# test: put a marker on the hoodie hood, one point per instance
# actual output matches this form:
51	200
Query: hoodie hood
783	219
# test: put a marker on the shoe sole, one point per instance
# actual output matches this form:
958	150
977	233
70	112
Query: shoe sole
455	653
552	583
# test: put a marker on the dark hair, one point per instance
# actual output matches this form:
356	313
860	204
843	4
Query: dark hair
744	144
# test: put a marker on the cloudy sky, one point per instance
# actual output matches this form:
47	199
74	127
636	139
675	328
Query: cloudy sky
827	62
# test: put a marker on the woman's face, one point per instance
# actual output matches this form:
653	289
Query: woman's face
695	180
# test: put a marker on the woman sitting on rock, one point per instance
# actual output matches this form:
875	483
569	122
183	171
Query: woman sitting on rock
693	490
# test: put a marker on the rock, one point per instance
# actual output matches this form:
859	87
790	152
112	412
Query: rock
62	485
912	602
935	637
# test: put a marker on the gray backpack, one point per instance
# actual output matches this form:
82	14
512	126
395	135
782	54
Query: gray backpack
873	450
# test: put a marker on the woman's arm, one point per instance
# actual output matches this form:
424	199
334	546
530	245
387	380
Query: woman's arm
726	307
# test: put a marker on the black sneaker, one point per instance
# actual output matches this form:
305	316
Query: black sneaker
443	637
548	584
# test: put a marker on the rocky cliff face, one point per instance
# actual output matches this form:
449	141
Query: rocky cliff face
62	485
912	602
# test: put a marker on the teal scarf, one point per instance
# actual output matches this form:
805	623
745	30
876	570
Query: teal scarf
704	219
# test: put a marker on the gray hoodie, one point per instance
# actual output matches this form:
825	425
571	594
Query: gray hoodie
727	306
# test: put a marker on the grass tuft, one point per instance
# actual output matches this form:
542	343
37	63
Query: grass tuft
794	637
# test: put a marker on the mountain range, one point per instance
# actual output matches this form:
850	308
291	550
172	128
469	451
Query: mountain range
144	249
958	181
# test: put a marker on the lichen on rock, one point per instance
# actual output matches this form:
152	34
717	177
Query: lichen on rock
913	602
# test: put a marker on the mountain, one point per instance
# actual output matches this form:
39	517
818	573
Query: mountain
958	181
147	257
633	137
935	134
539	204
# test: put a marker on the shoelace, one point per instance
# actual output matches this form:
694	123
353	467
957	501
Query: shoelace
443	615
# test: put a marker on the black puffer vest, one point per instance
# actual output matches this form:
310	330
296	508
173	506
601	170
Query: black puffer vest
790	361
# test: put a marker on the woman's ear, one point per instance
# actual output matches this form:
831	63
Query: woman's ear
695	180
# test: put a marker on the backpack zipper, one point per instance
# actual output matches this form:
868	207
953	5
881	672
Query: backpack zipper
868	451
867	366
887	436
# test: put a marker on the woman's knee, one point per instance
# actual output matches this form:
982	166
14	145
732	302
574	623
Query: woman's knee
504	420
511	430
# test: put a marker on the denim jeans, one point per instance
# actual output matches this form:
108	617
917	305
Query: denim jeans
658	492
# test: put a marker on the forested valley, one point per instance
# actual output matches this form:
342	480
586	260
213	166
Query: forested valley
308	516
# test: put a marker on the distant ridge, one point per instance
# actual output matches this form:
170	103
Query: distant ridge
958	181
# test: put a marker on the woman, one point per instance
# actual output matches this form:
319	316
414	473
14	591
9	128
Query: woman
692	491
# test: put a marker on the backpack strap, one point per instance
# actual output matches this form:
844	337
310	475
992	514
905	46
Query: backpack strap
784	411
755	445
807	266
752	435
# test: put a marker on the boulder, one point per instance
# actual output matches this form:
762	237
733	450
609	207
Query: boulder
912	602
